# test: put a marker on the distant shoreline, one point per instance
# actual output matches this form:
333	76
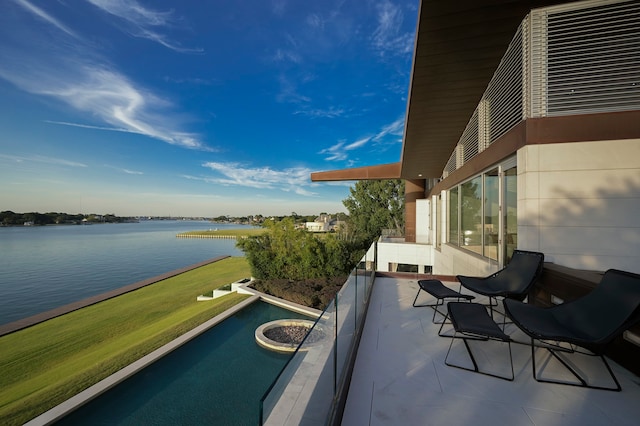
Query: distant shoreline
2	225
10	218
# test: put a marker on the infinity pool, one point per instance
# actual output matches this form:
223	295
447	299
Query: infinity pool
217	378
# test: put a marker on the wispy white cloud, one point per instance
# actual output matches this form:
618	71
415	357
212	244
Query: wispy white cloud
315	36
335	152
40	13
88	126
388	38
287	55
185	140
42	159
325	34
133	11
289	92
190	80
102	92
314	20
132	172
331	112
113	98
294	179
395	129
123	170
73	72
390	133
142	22
339	151
356	144
278	7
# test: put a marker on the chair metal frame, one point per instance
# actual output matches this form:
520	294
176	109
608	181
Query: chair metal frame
590	322
509	282
475	328
555	350
440	292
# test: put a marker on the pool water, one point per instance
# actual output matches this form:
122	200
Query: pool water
217	378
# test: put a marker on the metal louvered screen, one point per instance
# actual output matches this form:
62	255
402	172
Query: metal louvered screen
593	59
501	107
503	96
469	138
451	164
576	58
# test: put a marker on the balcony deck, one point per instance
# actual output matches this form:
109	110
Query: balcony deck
400	377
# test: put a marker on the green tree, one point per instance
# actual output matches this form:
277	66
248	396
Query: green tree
10	218
375	205
341	216
288	252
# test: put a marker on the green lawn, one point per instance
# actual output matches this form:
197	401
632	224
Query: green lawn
44	365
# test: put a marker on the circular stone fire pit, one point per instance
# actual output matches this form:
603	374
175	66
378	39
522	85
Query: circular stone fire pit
286	335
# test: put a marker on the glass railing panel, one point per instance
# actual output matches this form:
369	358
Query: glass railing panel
345	322
306	389
306	385
371	266
361	289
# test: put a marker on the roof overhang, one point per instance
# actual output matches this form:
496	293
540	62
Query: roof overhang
384	171
458	47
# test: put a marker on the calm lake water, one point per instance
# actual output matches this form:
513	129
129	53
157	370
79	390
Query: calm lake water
43	267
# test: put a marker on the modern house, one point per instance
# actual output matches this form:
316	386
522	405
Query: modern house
322	223
522	130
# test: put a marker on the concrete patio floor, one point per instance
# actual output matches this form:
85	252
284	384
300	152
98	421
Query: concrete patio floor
400	377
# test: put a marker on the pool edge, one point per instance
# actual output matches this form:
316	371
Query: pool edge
56	413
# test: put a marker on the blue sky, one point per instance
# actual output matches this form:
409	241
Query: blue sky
197	108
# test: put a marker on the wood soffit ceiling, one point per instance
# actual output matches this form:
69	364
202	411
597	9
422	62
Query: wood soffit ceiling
459	45
458	48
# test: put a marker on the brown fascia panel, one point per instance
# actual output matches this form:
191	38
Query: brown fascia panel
383	171
584	128
497	151
548	130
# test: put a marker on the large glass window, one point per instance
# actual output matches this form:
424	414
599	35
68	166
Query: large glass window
482	214
453	216
438	226
510	213
491	213
471	214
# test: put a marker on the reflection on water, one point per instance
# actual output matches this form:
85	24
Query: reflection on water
42	268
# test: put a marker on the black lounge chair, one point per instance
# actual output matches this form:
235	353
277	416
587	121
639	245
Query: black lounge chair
440	292
590	322
472	322
514	281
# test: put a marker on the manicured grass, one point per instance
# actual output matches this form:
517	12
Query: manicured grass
238	233
44	365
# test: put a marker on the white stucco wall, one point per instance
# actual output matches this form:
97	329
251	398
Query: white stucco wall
423	218
579	203
400	252
450	260
317	226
